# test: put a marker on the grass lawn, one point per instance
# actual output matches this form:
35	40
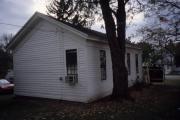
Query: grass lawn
156	102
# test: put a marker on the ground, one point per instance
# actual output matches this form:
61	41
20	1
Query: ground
155	102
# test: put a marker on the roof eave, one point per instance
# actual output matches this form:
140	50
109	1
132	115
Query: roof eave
106	42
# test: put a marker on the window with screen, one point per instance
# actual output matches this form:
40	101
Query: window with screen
103	64
71	62
137	63
128	63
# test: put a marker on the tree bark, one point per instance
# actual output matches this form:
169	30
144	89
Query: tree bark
116	40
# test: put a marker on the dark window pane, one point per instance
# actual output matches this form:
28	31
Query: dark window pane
137	63
71	62
128	63
103	64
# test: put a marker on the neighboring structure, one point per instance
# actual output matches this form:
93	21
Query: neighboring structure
57	60
167	62
169	65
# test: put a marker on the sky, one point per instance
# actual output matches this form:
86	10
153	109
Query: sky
17	12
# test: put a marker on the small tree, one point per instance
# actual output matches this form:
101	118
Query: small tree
166	27
4	40
75	12
148	52
6	61
168	12
165	30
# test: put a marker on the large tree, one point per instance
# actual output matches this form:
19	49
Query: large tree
116	32
114	14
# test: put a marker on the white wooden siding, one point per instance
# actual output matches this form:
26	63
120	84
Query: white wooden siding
132	77
79	91
99	88
39	61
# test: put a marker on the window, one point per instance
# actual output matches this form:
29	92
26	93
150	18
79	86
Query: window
128	63
71	62
137	63
103	64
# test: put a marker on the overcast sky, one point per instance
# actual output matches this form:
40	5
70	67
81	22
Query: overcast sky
17	12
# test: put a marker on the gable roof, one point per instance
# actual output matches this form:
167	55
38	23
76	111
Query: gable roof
81	31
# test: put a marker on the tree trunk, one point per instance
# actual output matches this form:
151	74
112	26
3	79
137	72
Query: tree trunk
116	39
